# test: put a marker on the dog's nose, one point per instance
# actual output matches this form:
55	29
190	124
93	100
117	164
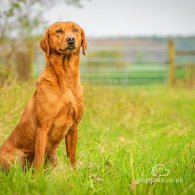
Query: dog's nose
70	40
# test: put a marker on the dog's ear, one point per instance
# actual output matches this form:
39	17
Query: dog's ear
83	42
44	44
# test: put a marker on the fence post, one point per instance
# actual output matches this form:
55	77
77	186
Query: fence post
171	57
192	76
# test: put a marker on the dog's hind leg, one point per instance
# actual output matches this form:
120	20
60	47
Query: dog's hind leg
10	157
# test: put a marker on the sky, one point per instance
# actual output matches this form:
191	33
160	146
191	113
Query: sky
112	18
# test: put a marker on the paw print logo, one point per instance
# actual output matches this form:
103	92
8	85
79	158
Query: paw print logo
160	170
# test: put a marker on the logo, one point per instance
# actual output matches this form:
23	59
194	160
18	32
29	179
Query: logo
159	170
159	173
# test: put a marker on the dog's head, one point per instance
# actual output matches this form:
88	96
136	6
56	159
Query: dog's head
64	38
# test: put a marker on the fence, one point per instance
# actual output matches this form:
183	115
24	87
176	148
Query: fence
145	62
181	71
125	65
138	65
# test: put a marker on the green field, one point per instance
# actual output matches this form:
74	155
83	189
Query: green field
134	74
125	133
131	74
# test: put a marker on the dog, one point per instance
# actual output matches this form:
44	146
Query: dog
56	108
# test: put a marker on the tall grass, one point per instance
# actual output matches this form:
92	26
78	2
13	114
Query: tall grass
124	133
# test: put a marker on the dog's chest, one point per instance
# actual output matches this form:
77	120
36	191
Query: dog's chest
71	105
75	103
69	114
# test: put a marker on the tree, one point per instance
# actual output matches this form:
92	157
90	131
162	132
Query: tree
22	20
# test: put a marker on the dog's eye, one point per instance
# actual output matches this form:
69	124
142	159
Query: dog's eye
59	31
75	30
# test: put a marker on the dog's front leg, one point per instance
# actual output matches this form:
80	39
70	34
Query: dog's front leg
40	145
71	142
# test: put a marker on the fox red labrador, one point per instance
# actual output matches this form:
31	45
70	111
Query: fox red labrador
55	109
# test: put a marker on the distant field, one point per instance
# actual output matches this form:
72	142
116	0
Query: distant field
125	133
125	75
133	74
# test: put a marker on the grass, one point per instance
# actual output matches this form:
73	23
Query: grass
124	133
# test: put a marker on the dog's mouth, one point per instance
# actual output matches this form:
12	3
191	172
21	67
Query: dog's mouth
69	48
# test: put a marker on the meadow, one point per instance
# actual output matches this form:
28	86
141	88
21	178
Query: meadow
125	134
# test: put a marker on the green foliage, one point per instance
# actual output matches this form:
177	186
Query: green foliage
125	132
23	18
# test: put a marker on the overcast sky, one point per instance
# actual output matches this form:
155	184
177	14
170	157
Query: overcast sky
129	17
